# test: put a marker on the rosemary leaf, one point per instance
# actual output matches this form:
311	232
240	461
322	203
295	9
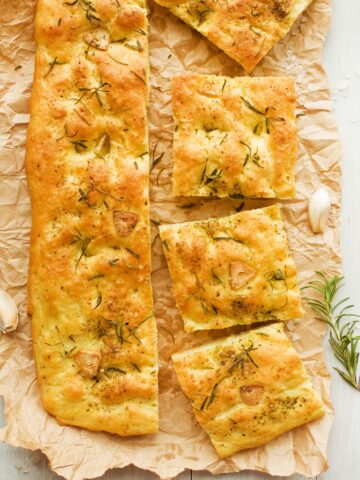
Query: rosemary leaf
114	370
136	367
215	276
98	301
134	254
240	207
217	239
98	275
117	61
251	107
138	77
113	262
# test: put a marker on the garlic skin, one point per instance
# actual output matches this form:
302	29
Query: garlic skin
8	313
319	209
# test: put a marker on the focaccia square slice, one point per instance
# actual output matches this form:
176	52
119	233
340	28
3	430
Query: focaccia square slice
247	389
233	270
246	30
234	136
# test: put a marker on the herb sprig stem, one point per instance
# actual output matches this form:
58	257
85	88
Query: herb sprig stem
343	324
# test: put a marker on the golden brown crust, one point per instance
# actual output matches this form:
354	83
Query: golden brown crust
234	136
210	288
87	166
244	29
247	389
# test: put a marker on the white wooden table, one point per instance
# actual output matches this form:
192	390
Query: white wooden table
342	62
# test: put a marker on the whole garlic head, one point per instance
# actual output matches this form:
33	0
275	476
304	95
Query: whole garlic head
8	313
319	209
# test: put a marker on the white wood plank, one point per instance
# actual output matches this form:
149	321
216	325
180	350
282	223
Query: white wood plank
342	62
245	475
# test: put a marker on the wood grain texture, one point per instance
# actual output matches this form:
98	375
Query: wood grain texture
342	60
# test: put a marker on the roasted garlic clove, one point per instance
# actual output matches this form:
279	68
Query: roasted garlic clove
319	209
125	222
251	394
8	313
88	362
240	274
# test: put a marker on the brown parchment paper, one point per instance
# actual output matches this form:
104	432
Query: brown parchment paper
77	454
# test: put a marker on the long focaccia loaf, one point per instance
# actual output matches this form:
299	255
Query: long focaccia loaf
94	331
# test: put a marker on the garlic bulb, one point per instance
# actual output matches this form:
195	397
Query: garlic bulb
319	209
8	313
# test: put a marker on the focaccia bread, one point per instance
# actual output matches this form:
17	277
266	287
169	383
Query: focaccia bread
246	30
234	136
90	297
233	270
247	389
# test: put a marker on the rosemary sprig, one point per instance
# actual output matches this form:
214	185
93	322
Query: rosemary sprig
88	7
343	339
52	65
83	249
266	121
242	358
250	155
237	363
201	11
211	175
91	91
210	398
122	329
